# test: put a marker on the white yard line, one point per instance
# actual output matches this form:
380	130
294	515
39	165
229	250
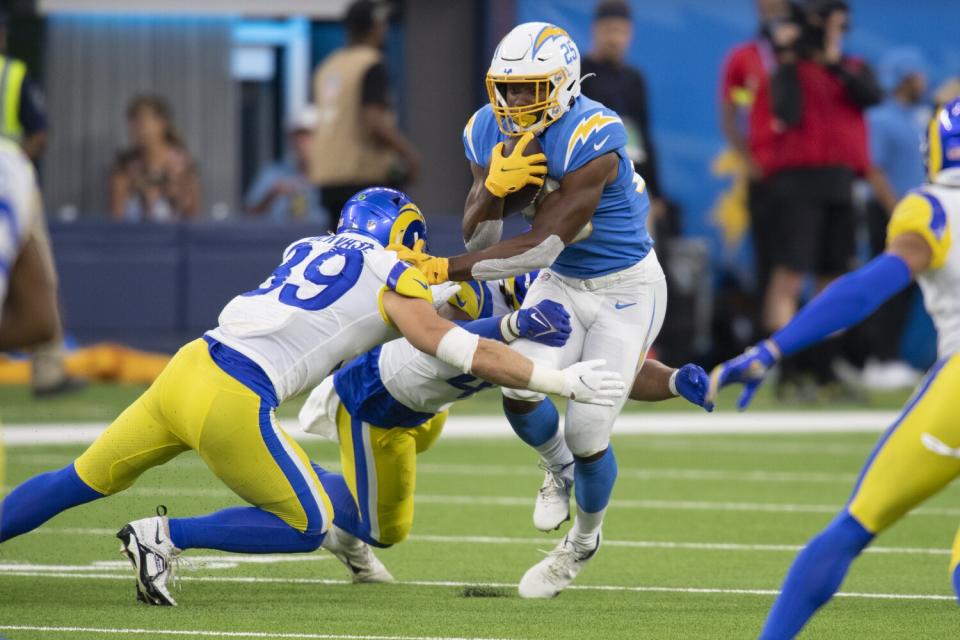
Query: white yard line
222	634
490	585
521	540
496	426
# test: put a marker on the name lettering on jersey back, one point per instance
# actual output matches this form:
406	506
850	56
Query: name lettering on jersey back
346	242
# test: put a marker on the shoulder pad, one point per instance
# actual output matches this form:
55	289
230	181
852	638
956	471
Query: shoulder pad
921	212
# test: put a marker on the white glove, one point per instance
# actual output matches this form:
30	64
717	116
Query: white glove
443	292
584	382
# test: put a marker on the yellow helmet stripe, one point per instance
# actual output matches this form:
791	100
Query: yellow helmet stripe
409	214
546	34
934	150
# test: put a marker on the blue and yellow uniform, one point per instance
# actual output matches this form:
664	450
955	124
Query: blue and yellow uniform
389	405
618	236
919	454
218	394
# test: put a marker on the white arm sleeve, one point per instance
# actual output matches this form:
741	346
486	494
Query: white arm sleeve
486	234
539	257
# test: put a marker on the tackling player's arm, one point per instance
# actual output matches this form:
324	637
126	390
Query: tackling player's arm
656	382
30	313
418	322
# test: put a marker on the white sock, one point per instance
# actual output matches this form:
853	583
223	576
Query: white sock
556	455
586	527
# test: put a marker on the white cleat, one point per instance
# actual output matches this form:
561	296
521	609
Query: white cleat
552	507
356	556
553	574
147	545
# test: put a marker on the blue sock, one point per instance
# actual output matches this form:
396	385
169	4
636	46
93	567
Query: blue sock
346	515
242	530
594	481
40	498
815	576
956	581
538	426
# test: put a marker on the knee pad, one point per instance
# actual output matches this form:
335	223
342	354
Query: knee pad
524	395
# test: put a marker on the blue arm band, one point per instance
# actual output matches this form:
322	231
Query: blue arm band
849	300
486	328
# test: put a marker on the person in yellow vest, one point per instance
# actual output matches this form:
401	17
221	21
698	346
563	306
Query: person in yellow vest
356	143
24	114
24	121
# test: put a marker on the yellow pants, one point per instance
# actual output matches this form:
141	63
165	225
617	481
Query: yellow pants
194	404
916	457
380	468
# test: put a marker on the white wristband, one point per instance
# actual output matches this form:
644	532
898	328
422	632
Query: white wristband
457	348
547	380
672	384
510	326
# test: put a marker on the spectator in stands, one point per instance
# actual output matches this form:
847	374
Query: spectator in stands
896	129
622	87
808	137
357	143
23	115
747	67
155	179
283	190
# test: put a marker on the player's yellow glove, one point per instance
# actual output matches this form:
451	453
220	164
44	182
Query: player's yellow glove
434	268
511	173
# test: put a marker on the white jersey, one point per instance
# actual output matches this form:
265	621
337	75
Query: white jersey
425	384
318	309
19	208
933	211
397	385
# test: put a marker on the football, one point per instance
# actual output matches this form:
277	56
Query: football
520	200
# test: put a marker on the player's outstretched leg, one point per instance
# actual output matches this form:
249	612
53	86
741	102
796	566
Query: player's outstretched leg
40	498
347	539
815	576
538	424
595	477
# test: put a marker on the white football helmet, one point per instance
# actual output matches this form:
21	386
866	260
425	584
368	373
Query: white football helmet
541	54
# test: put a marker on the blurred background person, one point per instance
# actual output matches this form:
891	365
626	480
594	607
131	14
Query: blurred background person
283	191
154	179
809	139
896	129
622	87
357	143
24	112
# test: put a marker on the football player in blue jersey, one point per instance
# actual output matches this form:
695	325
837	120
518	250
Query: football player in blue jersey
919	454
589	237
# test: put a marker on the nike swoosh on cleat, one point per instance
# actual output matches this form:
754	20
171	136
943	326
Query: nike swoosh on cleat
156	537
622	305
422	283
597	146
459	300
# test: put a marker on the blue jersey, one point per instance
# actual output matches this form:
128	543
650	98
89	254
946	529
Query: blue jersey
618	236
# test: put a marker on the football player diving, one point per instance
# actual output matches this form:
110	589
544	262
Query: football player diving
919	454
333	298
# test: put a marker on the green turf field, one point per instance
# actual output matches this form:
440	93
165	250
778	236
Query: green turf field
701	530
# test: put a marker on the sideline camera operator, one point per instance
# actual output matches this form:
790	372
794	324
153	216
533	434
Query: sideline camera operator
814	146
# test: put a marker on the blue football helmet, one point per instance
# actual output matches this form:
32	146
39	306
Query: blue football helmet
943	139
386	215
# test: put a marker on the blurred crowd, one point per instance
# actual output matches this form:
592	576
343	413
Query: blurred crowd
822	144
